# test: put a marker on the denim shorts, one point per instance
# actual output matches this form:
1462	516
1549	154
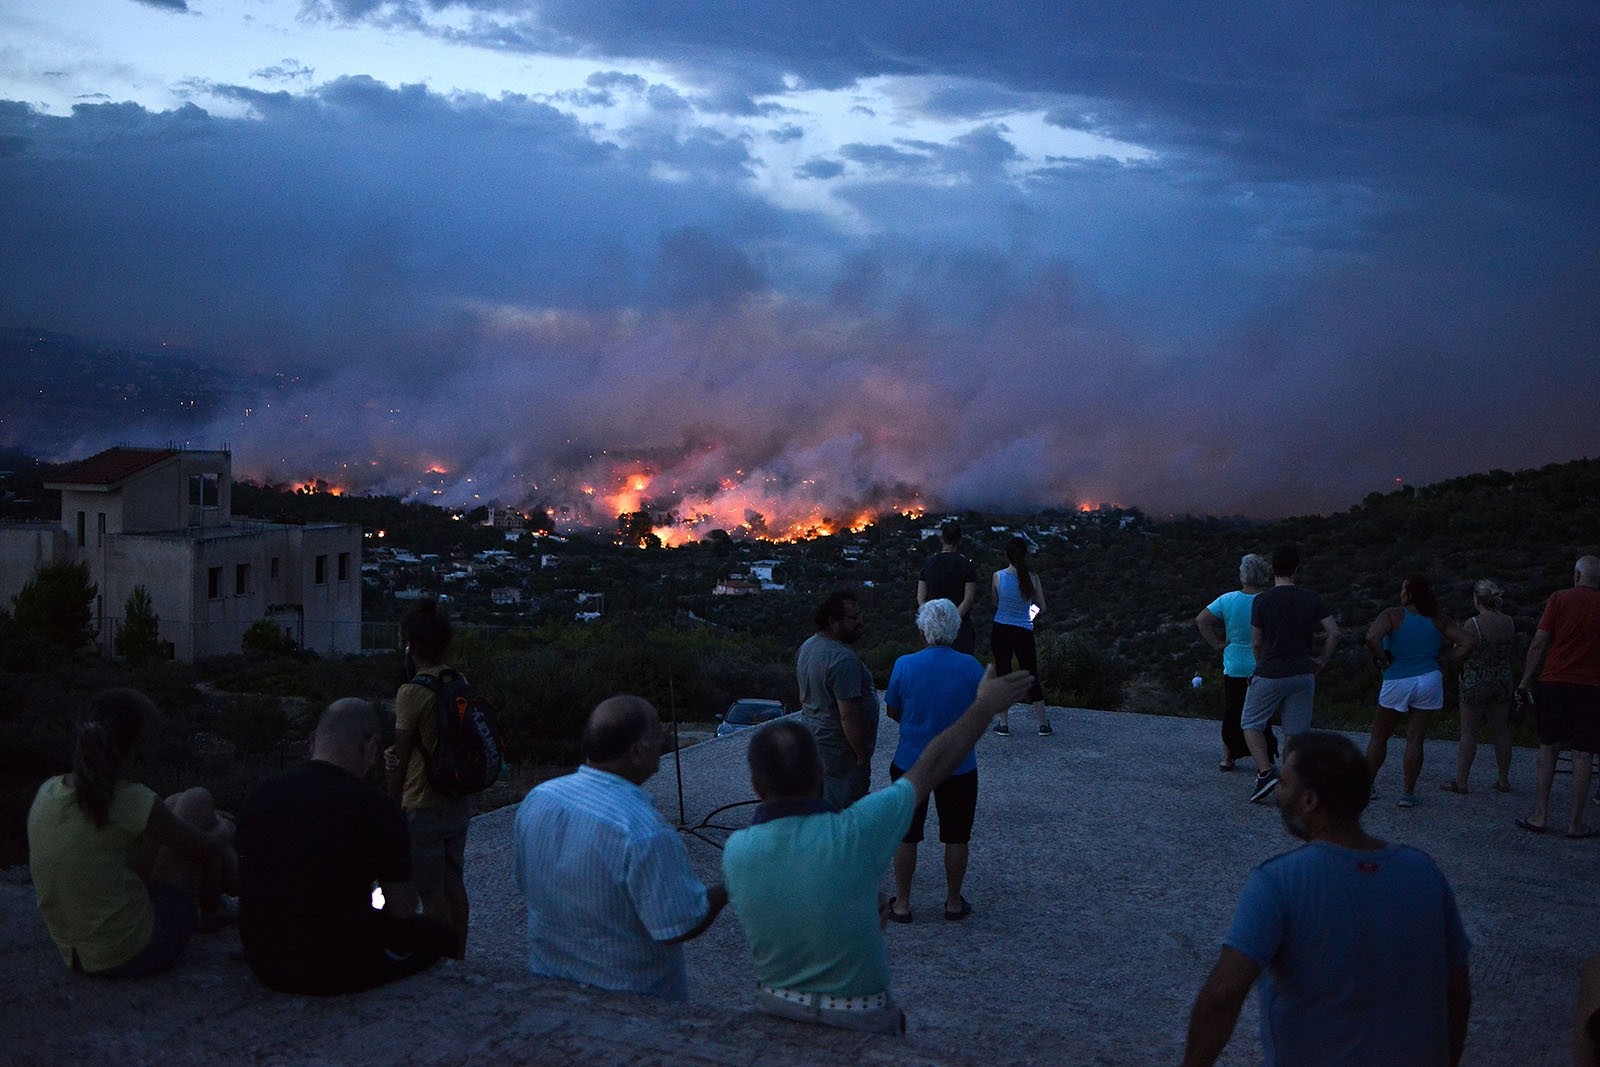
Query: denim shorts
176	917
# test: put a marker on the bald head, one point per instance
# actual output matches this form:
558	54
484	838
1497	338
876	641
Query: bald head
348	735
784	764
615	726
1588	571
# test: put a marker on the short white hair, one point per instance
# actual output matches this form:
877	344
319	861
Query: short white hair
939	622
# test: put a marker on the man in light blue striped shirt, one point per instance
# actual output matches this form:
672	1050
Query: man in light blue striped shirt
611	893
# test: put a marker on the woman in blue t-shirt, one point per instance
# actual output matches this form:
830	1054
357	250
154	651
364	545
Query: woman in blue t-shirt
1225	625
1406	642
1019	598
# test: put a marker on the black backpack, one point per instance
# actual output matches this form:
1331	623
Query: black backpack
470	752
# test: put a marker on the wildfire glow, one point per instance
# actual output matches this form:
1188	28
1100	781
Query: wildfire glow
743	504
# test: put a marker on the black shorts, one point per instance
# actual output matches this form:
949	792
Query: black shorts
1008	642
1568	715
957	797
387	949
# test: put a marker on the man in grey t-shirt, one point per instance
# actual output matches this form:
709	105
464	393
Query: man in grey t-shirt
837	699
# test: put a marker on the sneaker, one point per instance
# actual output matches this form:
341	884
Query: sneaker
1002	729
1044	729
1266	782
1407	800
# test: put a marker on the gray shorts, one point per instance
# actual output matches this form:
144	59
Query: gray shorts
438	844
1288	697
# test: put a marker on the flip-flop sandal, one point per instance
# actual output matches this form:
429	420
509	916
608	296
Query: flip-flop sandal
1524	824
1498	788
1570	837
966	909
1451	787
895	916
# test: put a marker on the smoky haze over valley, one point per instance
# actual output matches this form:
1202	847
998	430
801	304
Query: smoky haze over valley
1259	262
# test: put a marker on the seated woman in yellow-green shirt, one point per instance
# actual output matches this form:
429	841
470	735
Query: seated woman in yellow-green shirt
123	879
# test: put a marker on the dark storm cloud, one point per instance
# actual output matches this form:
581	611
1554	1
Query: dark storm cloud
820	169
166	5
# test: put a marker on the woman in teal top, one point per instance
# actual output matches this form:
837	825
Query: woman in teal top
1405	643
1225	625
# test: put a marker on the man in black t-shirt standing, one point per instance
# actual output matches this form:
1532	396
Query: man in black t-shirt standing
1284	623
951	576
312	842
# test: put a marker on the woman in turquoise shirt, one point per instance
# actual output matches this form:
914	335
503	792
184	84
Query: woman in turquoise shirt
1225	625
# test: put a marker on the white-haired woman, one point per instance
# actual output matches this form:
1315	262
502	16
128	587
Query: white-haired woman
1225	625
1486	687
928	691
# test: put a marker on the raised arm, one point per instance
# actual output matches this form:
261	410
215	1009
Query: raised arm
946	750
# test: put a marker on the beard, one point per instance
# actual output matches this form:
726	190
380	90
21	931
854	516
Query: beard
1292	822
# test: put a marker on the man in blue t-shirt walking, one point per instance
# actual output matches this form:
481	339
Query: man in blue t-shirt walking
1363	950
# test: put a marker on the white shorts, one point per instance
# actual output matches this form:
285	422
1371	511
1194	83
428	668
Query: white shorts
1425	692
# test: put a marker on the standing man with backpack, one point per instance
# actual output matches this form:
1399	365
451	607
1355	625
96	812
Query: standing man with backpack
438	823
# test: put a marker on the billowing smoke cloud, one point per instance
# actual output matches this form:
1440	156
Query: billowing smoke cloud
1275	309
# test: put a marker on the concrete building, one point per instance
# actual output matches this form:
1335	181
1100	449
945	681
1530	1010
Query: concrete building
162	518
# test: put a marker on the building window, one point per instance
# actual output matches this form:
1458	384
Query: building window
344	566
241	580
100	537
82	529
321	577
203	491
214	582
272	569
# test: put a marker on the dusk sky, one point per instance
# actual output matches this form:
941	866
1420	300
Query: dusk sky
1246	258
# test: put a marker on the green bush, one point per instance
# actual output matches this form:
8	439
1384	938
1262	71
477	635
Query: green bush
1076	672
266	638
139	635
56	605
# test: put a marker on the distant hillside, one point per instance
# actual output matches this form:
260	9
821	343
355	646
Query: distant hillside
61	389
1136	591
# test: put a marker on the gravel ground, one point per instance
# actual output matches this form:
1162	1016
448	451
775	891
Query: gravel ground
1105	865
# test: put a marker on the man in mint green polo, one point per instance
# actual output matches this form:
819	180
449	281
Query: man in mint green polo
803	879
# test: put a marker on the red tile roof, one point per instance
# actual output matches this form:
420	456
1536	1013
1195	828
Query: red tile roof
110	467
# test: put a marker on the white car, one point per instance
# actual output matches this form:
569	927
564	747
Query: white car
746	714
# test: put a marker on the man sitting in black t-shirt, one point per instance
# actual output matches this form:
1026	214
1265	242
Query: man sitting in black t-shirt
312	841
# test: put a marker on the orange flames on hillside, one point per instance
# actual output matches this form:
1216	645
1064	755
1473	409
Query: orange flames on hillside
683	516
